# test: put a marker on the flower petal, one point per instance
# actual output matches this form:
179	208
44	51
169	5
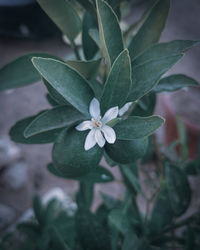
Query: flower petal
111	114
90	141
109	134
125	108
94	108
99	138
84	126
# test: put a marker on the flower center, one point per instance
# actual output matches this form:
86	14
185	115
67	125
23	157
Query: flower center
97	123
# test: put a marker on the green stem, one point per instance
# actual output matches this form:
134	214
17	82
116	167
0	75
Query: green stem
75	49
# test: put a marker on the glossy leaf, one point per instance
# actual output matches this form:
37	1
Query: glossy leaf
178	189
89	46
162	50
151	29
110	33
17	133
174	82
116	88
148	74
58	117
88	6
88	69
66	81
20	72
125	152
97	175
63	15
135	127
70	157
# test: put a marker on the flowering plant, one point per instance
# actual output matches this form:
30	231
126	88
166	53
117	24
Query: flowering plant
118	75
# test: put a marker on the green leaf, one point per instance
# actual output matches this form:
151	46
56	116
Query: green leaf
20	72
160	50
64	16
97	175
58	117
174	82
50	100
58	98
91	233
130	174
147	75
88	69
110	202
89	46
38	210
70	157
145	106
125	152
135	127
151	29
97	88
178	188
17	133
57	240
66	81
110	33
117	86
162	213
88	6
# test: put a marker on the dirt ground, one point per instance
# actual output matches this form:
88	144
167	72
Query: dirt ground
183	23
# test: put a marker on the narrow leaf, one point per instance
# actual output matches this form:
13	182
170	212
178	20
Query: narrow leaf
17	133
64	16
174	82
135	127
162	50
88	69
110	33
55	118
147	75
20	72
89	46
151	29
66	81
117	86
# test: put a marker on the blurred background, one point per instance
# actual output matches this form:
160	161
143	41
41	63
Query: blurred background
25	28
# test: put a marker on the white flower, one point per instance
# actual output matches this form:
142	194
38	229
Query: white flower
100	132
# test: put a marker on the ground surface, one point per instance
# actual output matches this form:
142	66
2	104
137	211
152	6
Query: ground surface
183	23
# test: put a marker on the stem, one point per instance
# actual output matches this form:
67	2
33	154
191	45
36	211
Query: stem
159	157
182	223
75	49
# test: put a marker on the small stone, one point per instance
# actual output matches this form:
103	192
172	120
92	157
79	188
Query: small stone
15	176
7	215
9	152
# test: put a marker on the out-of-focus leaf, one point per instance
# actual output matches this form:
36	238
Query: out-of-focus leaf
178	189
21	71
63	15
89	46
